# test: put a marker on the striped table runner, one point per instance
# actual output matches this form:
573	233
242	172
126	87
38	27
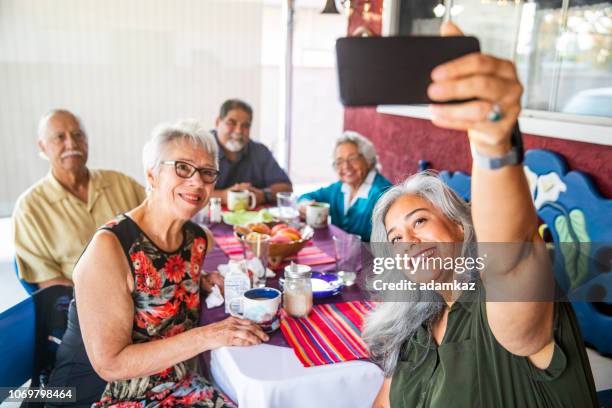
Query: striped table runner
309	255
331	333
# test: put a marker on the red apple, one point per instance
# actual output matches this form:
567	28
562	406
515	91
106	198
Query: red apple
278	227
280	239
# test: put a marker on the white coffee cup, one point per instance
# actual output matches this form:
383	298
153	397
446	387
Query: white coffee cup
241	200
316	215
259	305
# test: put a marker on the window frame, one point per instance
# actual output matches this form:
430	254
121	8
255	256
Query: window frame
583	128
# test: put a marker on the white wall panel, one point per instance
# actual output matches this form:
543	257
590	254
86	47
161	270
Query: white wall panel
123	67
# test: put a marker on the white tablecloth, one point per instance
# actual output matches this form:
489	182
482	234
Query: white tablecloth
266	376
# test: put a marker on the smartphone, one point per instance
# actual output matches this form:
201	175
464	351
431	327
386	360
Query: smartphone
394	70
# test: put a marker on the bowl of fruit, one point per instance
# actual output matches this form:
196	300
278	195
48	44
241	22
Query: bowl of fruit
285	241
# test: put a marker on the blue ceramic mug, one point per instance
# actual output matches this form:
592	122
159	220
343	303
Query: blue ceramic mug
260	305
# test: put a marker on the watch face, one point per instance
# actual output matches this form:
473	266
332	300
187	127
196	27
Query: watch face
268	196
517	143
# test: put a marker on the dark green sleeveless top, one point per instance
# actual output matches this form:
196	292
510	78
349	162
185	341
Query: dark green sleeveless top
471	369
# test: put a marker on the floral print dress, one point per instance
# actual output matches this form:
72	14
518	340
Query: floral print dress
166	303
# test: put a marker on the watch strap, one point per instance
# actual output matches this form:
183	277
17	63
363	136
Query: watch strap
513	157
268	198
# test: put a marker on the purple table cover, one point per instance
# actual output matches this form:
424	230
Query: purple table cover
322	238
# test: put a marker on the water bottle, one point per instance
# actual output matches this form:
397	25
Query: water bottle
236	283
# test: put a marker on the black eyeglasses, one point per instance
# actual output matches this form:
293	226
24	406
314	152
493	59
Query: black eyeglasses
352	159
186	170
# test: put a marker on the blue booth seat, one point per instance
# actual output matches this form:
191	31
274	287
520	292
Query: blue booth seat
29	287
17	343
28	336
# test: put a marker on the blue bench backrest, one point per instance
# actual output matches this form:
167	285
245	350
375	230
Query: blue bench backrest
29	287
17	339
575	213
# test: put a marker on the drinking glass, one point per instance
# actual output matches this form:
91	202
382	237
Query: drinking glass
260	250
287	206
348	256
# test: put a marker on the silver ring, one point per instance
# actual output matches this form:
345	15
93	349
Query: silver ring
496	113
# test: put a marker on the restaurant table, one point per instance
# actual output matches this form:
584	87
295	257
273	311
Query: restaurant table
270	375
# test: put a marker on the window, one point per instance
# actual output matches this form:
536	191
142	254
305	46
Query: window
561	47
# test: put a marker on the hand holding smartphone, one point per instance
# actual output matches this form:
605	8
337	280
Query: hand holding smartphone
394	70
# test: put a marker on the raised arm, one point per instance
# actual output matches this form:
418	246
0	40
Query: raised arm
103	285
502	209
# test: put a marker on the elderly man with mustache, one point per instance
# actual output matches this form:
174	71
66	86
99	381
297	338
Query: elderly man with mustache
55	218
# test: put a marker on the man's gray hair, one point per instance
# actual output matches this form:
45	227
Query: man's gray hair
44	121
364	145
188	130
392	325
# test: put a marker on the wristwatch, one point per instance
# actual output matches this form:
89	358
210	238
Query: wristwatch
267	196
513	157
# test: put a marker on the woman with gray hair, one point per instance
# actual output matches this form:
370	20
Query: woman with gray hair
137	289
352	198
491	337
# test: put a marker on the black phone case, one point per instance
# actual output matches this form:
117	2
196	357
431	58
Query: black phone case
393	70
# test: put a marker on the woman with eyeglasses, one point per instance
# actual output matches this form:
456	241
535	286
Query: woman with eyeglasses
135	338
352	198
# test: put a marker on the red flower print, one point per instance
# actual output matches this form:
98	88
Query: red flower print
139	261
165	373
174	330
144	319
128	404
147	278
190	399
195	266
169	402
193	301
103	401
164	311
151	282
160	395
175	268
199	246
180	294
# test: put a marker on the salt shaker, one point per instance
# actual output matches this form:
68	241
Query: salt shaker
215	209
202	217
297	290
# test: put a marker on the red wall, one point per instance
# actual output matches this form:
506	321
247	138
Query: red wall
402	141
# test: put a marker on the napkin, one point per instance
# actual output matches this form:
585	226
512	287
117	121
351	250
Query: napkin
214	298
252	264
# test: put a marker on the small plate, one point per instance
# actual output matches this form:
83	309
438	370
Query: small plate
323	284
244	217
276	213
326	284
